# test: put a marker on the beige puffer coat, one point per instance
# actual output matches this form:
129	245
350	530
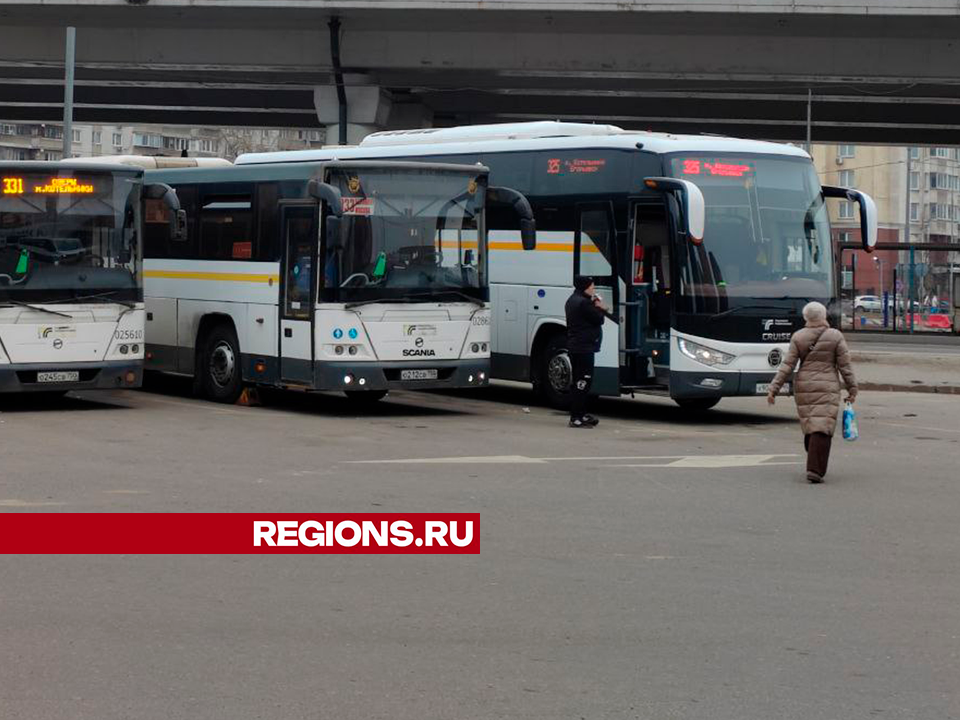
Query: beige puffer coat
816	386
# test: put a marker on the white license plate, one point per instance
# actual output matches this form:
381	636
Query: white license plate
58	377
418	374
764	388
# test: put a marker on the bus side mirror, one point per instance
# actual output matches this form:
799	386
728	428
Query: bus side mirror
868	212
521	206
468	257
528	234
693	207
180	225
325	192
162	191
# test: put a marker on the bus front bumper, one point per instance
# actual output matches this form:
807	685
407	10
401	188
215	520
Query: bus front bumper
448	374
91	376
693	385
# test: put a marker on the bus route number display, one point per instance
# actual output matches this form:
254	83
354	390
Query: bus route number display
716	168
46	186
575	166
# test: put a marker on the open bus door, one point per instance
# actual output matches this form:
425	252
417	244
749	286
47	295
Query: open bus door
594	254
648	302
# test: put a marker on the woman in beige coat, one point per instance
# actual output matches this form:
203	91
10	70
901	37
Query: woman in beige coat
822	353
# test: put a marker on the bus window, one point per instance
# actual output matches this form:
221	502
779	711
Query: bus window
226	228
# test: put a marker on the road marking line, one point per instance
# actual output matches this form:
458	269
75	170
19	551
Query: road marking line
488	460
27	503
917	427
687	461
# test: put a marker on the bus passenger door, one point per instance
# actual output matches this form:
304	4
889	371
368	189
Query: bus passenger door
594	254
299	230
649	301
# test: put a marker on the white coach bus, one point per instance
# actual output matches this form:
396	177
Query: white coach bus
341	275
71	275
707	247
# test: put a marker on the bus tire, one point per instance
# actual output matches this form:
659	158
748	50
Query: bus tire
365	397
556	373
221	377
697	405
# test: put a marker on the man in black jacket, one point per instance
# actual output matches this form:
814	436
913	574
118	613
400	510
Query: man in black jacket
585	315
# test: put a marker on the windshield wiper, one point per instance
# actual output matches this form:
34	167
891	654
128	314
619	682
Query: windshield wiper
78	298
438	293
740	308
361	303
414	298
17	303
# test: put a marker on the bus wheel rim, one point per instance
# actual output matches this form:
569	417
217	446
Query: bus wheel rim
223	364
560	372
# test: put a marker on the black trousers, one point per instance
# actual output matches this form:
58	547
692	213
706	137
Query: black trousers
581	381
818	452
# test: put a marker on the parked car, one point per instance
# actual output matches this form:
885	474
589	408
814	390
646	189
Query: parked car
867	303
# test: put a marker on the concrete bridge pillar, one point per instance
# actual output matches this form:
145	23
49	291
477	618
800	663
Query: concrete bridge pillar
370	109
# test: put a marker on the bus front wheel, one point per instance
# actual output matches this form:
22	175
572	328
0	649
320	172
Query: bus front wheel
697	404
221	378
556	373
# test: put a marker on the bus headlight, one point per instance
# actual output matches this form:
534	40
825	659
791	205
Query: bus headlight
704	354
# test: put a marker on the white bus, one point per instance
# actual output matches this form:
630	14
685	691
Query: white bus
71	276
342	275
707	247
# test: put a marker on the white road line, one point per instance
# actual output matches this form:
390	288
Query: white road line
917	427
27	503
684	461
483	460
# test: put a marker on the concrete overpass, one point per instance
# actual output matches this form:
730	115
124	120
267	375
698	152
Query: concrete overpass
883	70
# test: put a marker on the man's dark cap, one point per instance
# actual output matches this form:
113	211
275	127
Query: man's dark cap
582	282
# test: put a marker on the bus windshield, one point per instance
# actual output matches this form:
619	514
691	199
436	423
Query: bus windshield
407	233
69	236
767	231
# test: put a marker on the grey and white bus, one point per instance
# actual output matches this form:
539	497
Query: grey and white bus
343	275
71	275
707	247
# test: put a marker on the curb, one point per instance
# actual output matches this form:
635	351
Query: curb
930	389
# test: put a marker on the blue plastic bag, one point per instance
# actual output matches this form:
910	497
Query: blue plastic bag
851	430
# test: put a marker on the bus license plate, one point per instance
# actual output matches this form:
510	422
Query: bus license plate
58	377
418	374
764	388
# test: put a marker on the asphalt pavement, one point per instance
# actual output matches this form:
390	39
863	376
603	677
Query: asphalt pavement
661	566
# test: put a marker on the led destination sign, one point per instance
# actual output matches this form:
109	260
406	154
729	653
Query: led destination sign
46	186
716	168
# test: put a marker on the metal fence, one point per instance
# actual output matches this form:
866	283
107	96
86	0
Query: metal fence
900	288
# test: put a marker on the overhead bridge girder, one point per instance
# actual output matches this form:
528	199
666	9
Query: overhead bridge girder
885	76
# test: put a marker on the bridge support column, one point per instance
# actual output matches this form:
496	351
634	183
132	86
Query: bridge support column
368	108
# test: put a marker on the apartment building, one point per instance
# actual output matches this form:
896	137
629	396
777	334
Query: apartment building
929	176
44	141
